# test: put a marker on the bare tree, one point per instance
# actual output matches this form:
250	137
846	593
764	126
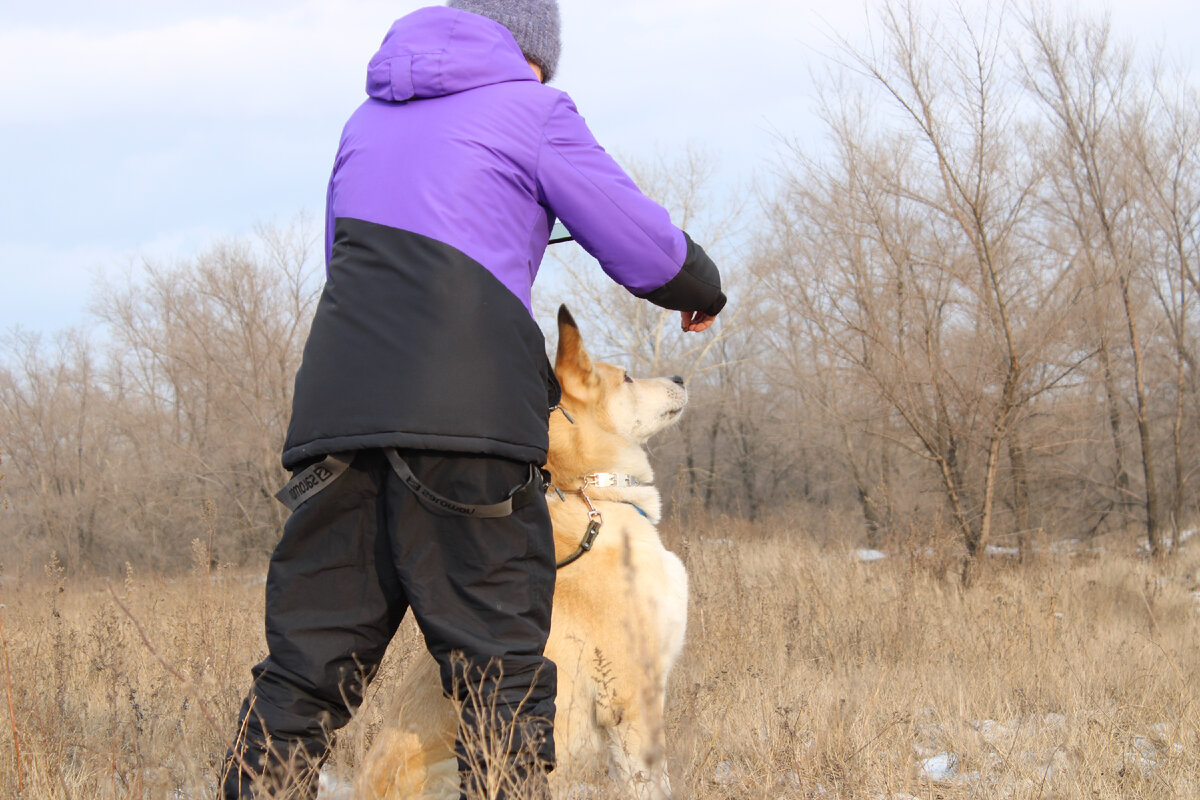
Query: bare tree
170	428
1088	86
1163	140
912	255
972	314
211	350
58	445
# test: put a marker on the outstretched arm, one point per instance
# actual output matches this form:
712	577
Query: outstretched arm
628	233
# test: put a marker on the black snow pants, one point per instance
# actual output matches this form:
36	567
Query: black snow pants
352	560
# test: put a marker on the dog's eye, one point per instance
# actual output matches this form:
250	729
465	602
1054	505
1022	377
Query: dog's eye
627	378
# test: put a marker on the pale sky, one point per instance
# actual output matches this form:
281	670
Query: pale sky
143	128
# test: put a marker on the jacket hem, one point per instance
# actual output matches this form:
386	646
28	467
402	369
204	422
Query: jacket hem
475	445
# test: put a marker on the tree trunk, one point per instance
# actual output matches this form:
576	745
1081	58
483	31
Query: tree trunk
1153	529
710	488
870	510
1114	423
746	467
1177	436
977	544
689	463
885	487
1020	481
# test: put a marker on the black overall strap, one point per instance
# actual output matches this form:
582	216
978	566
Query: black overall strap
320	475
518	498
313	479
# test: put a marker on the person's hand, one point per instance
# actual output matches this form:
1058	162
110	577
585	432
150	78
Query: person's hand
696	321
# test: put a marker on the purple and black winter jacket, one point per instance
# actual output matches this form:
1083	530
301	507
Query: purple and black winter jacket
447	182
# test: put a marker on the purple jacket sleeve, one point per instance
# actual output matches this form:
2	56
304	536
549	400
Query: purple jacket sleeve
628	233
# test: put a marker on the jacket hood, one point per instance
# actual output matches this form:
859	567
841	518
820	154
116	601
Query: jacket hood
439	51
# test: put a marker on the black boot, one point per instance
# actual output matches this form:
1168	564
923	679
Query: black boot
257	772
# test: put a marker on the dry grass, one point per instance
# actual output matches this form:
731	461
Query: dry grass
807	674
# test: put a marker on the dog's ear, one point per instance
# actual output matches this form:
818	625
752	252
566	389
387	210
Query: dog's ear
572	358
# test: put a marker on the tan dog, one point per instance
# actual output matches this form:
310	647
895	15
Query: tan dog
619	610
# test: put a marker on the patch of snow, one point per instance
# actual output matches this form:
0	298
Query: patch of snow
333	789
993	550
1145	747
1162	730
719	542
582	791
726	774
930	740
788	781
1144	754
1059	762
1055	720
941	767
867	556
1169	541
997	734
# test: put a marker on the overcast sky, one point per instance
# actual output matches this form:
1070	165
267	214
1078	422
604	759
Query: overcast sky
135	128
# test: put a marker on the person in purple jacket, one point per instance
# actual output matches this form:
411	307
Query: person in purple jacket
422	402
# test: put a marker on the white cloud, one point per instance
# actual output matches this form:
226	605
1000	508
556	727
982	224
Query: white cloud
293	63
304	59
49	287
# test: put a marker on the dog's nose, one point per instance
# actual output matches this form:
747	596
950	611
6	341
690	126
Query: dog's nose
677	379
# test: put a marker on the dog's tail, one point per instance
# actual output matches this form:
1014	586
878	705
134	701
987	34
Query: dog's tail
413	755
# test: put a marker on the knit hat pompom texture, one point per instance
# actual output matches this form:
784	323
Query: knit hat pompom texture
533	23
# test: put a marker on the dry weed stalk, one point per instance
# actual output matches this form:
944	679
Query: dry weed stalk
493	740
12	714
192	689
805	672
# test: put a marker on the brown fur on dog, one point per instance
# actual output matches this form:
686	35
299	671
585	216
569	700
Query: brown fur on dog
619	610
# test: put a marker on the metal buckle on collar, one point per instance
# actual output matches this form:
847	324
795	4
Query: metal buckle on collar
594	516
603	480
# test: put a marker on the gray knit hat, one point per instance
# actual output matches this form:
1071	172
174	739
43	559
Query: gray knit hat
533	23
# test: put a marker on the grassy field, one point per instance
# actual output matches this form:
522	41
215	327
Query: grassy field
807	674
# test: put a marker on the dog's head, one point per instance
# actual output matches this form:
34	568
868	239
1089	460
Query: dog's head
614	413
